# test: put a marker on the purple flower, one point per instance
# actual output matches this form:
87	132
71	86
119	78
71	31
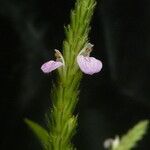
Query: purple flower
88	65
50	66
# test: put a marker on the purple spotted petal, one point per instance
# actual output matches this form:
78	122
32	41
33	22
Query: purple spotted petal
89	65
50	66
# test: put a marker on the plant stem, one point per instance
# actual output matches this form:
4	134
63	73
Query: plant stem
65	92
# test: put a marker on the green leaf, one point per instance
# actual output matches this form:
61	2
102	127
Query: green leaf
39	131
135	134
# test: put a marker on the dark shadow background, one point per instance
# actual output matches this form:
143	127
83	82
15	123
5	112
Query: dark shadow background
110	102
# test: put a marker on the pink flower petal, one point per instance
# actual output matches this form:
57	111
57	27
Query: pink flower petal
50	66
89	65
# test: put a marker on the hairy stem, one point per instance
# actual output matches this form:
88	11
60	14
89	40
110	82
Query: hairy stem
65	92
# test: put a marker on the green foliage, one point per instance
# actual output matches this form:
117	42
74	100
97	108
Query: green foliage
40	132
129	140
62	124
77	33
61	121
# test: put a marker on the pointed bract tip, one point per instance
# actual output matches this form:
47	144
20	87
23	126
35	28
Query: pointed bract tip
89	45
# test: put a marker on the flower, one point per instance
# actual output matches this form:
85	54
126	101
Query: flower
88	65
112	143
52	65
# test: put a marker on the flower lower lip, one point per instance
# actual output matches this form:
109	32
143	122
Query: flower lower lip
50	66
89	65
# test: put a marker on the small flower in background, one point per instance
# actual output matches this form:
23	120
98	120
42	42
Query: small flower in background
112	143
52	65
88	65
